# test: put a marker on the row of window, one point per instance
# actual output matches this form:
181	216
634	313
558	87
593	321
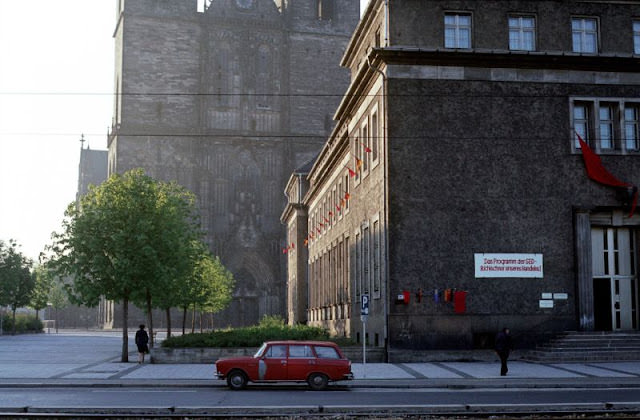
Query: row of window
607	125
365	147
522	33
329	289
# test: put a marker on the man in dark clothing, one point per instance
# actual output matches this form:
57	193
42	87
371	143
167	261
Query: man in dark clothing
503	347
142	338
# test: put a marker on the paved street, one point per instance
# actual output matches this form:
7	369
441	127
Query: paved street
94	358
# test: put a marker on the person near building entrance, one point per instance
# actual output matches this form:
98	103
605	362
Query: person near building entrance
503	348
142	340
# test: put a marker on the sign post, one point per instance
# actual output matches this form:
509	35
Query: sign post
364	314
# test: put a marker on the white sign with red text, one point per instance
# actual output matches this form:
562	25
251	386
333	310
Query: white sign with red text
508	265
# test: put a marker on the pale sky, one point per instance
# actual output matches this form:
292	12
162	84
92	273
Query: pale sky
56	83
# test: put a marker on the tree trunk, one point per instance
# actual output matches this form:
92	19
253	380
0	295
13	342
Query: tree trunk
200	322
184	319
150	315
13	331
168	322
124	358
193	320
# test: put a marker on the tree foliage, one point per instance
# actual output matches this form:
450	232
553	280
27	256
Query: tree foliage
130	240
16	280
42	288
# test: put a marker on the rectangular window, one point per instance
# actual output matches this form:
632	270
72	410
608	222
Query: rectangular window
585	35
632	127
366	260
522	33
607	123
374	136
358	273
376	259
581	122
365	148
358	158
636	36
457	30
607	126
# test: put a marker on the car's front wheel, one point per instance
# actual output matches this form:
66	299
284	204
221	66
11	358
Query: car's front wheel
237	380
318	381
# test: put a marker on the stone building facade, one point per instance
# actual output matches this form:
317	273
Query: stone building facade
453	190
228	100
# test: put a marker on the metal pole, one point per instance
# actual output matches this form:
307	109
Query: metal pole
364	347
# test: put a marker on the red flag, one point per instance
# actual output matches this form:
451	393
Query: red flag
347	196
338	208
284	250
366	148
306	242
352	173
330	213
358	164
459	302
326	220
597	172
293	245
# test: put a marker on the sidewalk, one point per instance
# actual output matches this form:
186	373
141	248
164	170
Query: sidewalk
93	359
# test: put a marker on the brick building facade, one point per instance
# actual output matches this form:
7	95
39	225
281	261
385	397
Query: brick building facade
453	190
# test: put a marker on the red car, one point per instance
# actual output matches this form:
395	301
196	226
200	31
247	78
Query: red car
314	362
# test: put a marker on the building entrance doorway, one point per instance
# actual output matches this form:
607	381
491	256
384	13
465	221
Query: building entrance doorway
615	279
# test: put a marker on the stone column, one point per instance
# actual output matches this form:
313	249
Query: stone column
584	269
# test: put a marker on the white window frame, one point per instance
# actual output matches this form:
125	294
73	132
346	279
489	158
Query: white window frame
457	29
375	136
618	125
584	34
632	127
519	29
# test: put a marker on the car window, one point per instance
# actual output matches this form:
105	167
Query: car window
327	352
260	350
300	351
278	350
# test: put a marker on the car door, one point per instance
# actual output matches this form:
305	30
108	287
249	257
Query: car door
301	361
273	364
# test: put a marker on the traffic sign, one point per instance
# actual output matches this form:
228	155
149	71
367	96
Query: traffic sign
364	309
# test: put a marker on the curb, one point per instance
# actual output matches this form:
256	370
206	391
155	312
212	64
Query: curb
505	383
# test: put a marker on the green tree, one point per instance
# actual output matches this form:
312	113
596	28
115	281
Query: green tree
58	299
42	288
209	289
16	280
124	240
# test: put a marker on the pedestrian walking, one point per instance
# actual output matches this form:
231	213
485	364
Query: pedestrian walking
142	341
503	347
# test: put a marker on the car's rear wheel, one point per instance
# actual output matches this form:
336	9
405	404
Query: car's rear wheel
237	380
318	381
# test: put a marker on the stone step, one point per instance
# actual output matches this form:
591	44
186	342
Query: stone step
570	356
597	344
589	346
